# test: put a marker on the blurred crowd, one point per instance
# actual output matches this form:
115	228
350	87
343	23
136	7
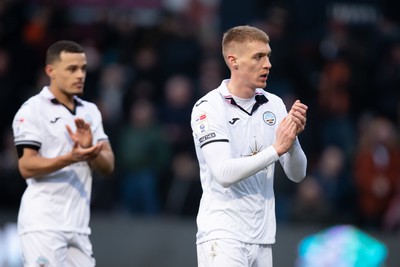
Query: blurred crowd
150	60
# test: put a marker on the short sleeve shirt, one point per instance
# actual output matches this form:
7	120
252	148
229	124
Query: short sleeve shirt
60	200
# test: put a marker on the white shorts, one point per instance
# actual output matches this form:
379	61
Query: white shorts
233	253
58	249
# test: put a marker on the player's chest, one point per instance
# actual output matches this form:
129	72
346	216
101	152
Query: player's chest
55	120
250	134
240	124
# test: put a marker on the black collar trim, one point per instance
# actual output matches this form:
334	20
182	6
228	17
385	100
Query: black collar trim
76	104
260	99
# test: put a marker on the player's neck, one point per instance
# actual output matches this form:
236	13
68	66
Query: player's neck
239	90
65	99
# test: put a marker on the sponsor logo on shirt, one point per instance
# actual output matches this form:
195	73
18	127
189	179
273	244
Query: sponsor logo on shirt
207	137
201	124
269	118
233	120
18	123
202	101
55	120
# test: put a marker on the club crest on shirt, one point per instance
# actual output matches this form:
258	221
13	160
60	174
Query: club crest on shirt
89	119
42	261
269	118
201	124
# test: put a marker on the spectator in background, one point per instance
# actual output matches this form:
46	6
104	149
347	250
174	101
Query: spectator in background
111	90
333	174
183	195
388	82
143	156
109	97
7	85
328	196
309	204
12	185
175	111
335	121
180	50
391	220
143	68
210	74
146	63
139	89
376	169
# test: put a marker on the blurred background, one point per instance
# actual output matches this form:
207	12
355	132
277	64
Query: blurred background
150	60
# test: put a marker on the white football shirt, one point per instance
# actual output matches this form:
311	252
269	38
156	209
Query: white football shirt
236	158
60	200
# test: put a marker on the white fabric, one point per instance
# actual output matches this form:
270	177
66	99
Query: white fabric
236	159
246	104
59	201
49	249
233	253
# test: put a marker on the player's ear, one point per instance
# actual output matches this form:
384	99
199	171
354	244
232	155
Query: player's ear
49	69
232	61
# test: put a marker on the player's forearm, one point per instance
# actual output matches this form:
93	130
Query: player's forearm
36	166
294	163
242	168
229	171
104	162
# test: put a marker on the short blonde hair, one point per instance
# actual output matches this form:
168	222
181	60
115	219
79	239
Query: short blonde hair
242	34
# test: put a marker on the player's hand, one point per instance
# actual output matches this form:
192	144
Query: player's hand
83	135
285	135
79	153
299	115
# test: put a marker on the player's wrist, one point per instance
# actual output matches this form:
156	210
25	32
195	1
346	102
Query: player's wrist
278	150
68	159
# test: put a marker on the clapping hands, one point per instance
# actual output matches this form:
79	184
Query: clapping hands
83	149
298	114
291	126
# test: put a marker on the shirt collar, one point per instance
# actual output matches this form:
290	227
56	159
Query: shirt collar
224	91
50	96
